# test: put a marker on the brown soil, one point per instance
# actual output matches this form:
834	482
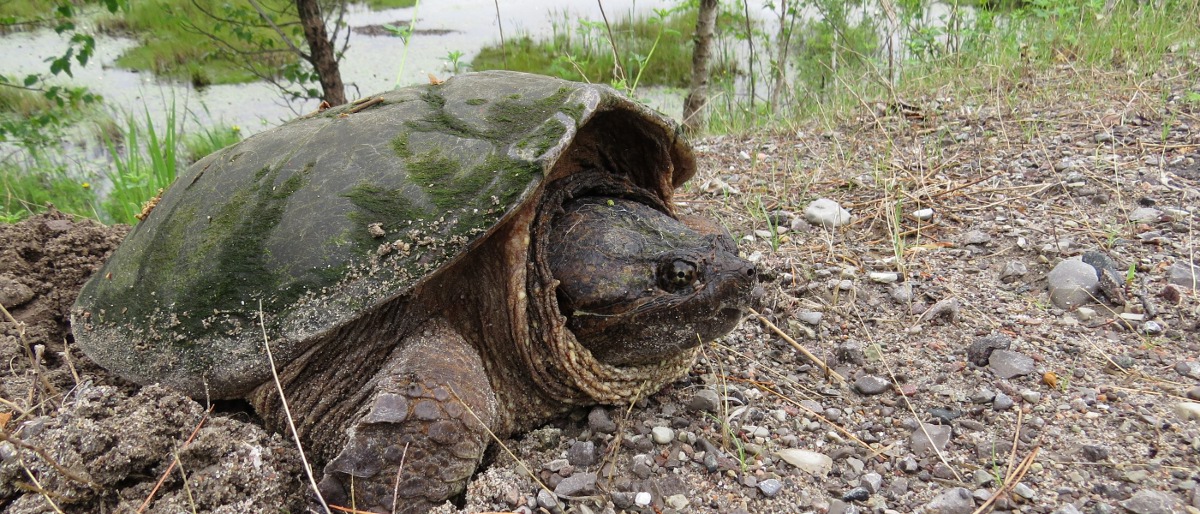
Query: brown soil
1025	174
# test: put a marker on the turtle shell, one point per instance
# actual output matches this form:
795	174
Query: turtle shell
328	216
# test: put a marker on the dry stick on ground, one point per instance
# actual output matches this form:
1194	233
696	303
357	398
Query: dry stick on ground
798	347
171	467
41	490
287	412
396	485
33	361
41	452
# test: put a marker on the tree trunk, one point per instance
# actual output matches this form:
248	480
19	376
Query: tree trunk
693	120
320	52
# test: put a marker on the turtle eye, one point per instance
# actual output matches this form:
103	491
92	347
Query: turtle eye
676	275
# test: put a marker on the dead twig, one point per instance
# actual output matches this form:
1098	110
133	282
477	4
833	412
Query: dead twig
829	371
171	467
41	452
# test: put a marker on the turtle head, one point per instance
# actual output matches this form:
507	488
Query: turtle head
638	285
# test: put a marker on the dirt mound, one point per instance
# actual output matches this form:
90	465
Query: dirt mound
79	439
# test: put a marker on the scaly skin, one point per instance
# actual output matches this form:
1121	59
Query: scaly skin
422	433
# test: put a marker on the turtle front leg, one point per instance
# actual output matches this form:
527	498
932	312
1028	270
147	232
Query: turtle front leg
416	442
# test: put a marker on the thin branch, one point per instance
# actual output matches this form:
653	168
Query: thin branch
262	14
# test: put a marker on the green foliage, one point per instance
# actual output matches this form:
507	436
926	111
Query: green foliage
35	127
141	170
654	50
209	140
202	42
27	189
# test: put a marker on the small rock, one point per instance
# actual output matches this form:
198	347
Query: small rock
817	464
1093	453
945	310
1085	313
582	454
1188	410
1184	275
1010	364
705	400
883	277
981	348
909	465
1072	283
546	499
938	436
810	317
13	293
873	482
1024	491
1012	271
678	502
1067	509
975	237
826	213
1189	369
662	435
871	385
955	501
599	421
857	494
579	484
923	214
642	499
1031	396
1152	328
1002	402
1193	393
1153	502
1145	215
901	293
770	487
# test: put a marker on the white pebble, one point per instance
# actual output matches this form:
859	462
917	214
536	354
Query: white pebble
923	214
1188	410
662	435
884	277
815	463
642	499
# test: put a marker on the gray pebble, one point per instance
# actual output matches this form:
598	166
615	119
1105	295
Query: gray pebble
1012	271
770	487
909	465
1067	509
1009	364
1024	491
13	293
975	237
1093	453
938	436
705	400
1072	283
1152	502
599	421
1152	328
1190	369
871	385
1002	402
1184	275
955	501
982	348
579	484
945	310
873	482
810	317
901	293
582	454
1145	215
546	499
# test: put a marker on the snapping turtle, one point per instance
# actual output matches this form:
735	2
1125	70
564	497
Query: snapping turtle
433	264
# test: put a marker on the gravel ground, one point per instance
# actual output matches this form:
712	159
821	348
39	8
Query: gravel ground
950	371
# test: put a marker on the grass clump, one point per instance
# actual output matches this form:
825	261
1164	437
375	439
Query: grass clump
654	50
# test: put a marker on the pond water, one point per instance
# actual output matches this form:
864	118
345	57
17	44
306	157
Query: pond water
371	64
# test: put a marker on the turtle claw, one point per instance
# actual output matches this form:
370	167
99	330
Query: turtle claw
416	443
